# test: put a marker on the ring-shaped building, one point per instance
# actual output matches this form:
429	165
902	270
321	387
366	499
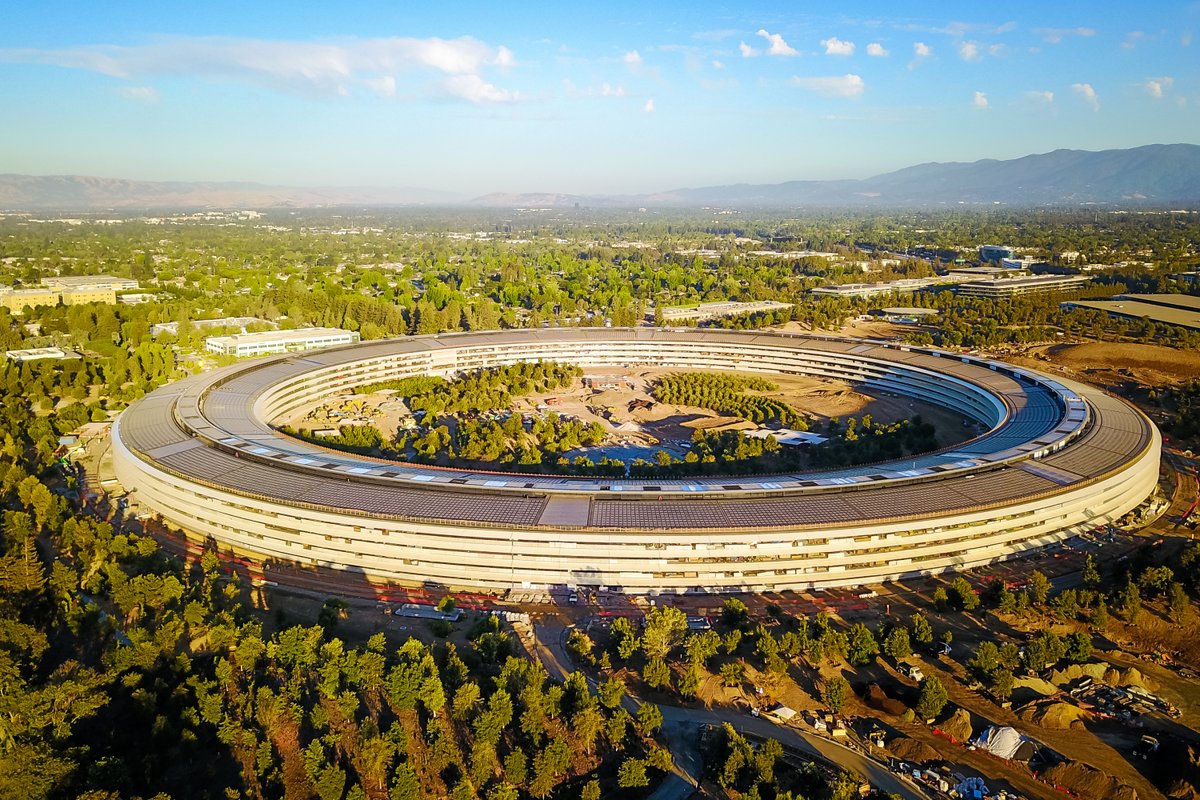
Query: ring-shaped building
1057	458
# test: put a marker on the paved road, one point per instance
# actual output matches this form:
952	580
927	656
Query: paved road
681	727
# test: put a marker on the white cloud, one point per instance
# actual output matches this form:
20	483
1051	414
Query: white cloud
981	100
969	51
717	64
612	91
331	67
1056	35
1046	97
836	47
477	90
995	49
748	51
922	50
139	94
1158	87
778	47
384	87
1131	41
632	59
1088	94
848	85
877	50
1185	40
648	108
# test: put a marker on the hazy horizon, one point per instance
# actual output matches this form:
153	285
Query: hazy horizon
619	99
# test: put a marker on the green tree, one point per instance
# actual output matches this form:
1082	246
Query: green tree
733	673
664	630
657	674
835	691
922	631
896	644
735	614
1039	587
649	718
632	774
862	646
932	698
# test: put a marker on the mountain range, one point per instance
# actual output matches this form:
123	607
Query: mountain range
1157	174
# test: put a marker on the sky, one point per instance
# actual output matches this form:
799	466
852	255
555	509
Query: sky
614	97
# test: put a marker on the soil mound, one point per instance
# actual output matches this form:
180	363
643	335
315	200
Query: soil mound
878	699
911	750
1055	716
1089	782
958	727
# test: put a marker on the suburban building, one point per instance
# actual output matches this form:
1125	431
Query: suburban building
38	354
904	285
718	310
202	324
1015	287
63	282
1168	309
267	342
15	300
88	294
907	315
995	253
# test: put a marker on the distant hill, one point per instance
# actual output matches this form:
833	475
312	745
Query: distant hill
1157	174
79	193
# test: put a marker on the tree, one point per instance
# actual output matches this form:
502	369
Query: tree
1100	616
932	698
649	719
861	646
922	631
657	674
1078	648
985	661
896	644
941	600
963	595
611	692
689	684
632	774
664	630
1039	587
1002	684
591	790
735	614
1177	601
835	692
733	673
1091	572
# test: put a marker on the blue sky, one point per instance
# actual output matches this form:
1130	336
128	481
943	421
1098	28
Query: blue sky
612	97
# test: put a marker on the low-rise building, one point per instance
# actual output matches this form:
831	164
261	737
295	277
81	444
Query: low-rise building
88	294
995	253
64	282
998	288
902	286
16	300
1168	309
137	298
717	310
270	342
38	354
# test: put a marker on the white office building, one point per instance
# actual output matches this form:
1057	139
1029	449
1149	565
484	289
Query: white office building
271	342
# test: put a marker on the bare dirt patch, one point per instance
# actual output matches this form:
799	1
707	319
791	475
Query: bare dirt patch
1117	362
